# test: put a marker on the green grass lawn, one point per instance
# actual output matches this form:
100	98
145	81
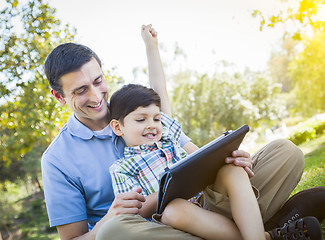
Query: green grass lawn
314	173
32	222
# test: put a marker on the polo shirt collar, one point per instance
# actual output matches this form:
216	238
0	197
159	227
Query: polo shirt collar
76	128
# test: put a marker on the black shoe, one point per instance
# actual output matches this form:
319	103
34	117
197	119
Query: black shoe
307	228
309	202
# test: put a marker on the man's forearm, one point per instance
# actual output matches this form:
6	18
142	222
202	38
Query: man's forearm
78	231
87	236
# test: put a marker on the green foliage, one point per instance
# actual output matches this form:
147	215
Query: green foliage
29	116
279	62
307	71
307	131
23	214
34	222
303	134
301	72
207	106
302	13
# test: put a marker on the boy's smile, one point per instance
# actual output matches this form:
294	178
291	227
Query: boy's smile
142	126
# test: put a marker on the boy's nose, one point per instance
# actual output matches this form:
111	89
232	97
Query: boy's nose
151	125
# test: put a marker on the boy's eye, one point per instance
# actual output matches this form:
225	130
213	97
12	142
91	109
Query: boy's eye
157	119
140	120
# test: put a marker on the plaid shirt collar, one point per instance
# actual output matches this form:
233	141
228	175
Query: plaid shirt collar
141	149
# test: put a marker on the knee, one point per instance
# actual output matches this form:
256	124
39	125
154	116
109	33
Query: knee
114	227
294	155
172	215
227	175
229	172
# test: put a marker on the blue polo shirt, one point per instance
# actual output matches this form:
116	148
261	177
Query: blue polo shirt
75	170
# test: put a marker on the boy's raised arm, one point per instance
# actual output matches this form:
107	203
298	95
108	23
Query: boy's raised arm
156	73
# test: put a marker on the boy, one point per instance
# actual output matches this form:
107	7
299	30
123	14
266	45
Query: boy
152	144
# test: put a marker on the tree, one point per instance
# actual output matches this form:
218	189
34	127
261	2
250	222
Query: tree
279	62
305	67
307	71
29	117
207	106
303	15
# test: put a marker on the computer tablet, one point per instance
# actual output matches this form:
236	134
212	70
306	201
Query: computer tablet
192	174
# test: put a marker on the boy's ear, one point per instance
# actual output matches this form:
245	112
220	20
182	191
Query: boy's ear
116	127
58	96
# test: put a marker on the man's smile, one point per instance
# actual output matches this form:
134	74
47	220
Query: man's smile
97	106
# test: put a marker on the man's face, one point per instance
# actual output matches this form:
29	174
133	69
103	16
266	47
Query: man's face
86	93
142	126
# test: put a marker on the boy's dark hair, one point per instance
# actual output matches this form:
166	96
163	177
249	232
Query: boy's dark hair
129	98
66	58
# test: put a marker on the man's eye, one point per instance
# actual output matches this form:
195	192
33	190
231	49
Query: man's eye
80	91
98	81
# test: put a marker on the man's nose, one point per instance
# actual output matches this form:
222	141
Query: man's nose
95	94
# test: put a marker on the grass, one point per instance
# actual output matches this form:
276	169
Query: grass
314	173
34	224
31	221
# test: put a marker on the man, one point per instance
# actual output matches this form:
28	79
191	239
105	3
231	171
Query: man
75	167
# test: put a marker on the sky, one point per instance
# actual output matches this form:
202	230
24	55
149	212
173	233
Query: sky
207	30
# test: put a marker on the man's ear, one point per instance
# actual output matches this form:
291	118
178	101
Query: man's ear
58	96
116	127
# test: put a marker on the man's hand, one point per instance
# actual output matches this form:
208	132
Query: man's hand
149	36
242	159
126	203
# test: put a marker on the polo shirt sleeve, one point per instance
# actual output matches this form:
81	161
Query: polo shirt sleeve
65	201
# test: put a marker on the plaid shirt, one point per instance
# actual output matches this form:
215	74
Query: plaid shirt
143	164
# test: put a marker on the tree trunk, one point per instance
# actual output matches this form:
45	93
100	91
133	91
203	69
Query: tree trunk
38	184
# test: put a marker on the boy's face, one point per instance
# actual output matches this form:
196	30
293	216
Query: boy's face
86	93
142	126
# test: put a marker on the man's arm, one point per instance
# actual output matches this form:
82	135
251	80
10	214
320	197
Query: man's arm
156	72
124	203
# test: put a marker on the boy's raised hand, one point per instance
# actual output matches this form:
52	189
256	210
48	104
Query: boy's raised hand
149	36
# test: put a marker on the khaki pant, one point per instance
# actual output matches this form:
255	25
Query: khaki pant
278	168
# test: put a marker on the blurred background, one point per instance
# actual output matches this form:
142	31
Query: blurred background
227	63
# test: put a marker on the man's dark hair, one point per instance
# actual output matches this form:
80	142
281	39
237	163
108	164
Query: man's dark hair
129	98
66	58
